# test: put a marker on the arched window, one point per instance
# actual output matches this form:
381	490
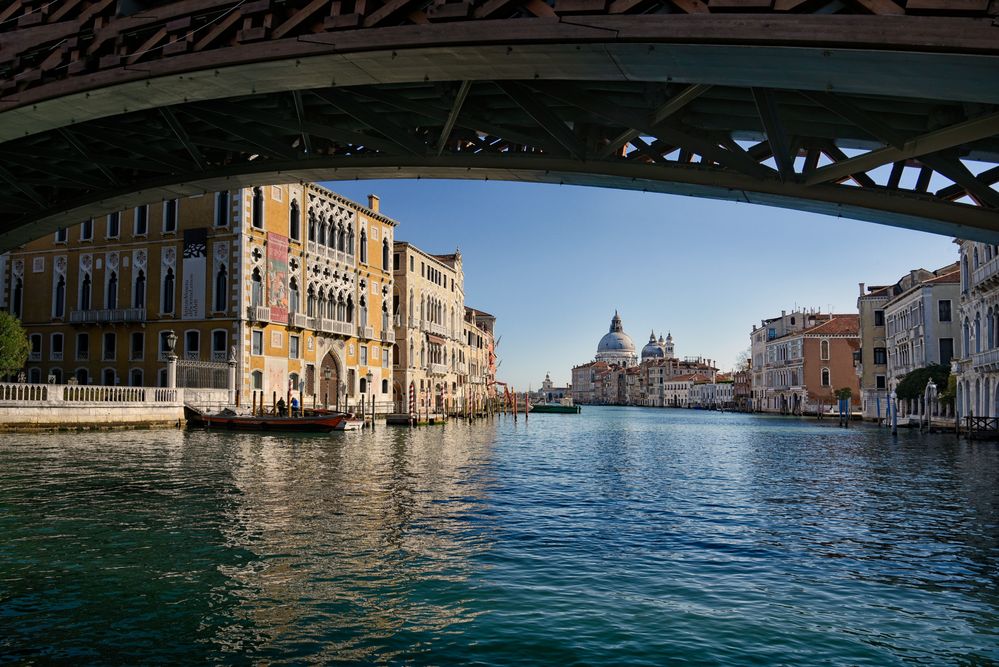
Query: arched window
221	287
59	302
364	385
293	296
350	239
222	208
135	377
257	380
258	208
411	359
967	337
363	320
168	291
385	255
974	263
978	332
331	237
294	221
111	299
350	309
85	290
341	238
17	300
364	246
312	227
825	377
139	298
256	289
824	350
989	332
384	386
385	319
310	302
965	274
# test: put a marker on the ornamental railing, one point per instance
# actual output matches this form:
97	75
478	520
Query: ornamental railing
107	315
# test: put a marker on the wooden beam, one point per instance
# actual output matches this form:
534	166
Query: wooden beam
452	118
766	106
931	142
953	169
364	115
547	119
660	115
181	134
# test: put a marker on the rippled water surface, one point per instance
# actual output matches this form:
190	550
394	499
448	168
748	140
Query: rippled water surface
616	536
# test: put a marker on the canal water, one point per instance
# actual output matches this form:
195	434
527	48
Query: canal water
618	536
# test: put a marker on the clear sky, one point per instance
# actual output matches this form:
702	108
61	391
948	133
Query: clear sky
552	263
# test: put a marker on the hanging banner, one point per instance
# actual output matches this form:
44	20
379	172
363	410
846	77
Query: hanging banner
195	268
277	276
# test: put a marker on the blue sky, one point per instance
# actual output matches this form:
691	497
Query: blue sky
554	262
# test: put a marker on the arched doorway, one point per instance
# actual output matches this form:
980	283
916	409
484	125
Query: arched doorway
399	399
329	381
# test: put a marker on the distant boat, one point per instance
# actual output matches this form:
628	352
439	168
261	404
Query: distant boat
230	421
565	406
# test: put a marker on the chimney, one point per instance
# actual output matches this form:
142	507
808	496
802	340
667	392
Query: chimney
373	202
861	289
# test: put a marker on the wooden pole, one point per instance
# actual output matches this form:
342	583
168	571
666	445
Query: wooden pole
274	401
253	410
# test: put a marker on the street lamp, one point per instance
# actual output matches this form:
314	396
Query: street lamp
371	378
893	407
171	358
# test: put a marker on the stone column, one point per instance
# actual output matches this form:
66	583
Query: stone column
171	370
231	379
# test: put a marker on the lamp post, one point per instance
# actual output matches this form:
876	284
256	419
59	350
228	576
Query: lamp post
343	392
893	408
371	378
929	398
171	358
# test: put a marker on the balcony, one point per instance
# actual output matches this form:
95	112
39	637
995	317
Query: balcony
34	356
437	369
986	275
83	355
298	320
258	313
349	259
388	336
439	329
461	367
343	328
988	360
219	355
414	323
55	356
366	332
108	316
324	325
192	355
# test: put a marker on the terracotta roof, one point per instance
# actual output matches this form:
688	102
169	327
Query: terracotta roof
952	277
838	325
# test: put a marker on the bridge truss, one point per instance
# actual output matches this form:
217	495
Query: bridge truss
874	111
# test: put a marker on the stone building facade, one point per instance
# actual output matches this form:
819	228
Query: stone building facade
291	280
977	367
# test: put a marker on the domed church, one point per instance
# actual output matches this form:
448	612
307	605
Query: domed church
658	349
616	347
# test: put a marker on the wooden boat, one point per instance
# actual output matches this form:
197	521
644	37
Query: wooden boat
559	408
351	424
230	421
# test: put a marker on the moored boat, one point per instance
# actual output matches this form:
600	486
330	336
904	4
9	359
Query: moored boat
230	421
565	406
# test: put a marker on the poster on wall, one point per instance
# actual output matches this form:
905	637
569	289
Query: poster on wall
195	267
277	276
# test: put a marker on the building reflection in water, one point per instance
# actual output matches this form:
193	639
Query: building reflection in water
358	537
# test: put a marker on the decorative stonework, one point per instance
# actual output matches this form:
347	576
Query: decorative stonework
112	259
169	256
221	251
139	259
60	265
17	268
86	263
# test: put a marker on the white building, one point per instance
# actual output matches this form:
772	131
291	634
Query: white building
978	368
616	347
920	323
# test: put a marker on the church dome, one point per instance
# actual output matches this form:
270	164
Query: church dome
653	350
616	346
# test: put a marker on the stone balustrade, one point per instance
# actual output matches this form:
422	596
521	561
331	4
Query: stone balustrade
48	406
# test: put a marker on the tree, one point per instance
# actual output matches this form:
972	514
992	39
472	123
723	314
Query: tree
14	344
744	361
844	394
913	384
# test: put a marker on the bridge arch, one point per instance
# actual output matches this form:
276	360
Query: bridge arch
892	119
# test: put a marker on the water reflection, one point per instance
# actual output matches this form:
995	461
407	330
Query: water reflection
614	536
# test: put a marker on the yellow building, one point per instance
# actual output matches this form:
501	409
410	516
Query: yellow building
292	280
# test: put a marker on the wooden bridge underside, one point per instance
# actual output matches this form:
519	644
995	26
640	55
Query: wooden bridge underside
869	109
